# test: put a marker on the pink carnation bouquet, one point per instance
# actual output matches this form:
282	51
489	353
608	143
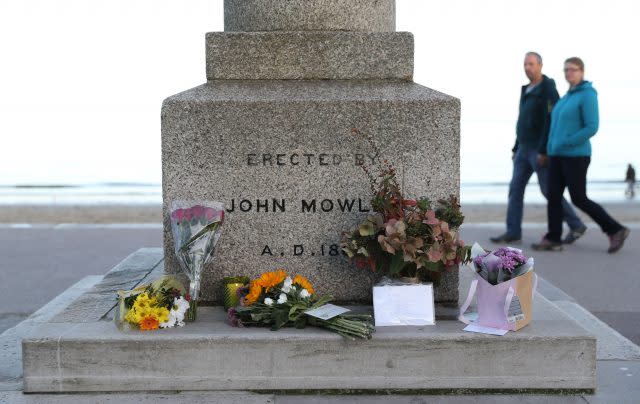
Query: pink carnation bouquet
196	230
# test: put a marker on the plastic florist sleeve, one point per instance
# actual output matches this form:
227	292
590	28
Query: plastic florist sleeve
505	284
196	230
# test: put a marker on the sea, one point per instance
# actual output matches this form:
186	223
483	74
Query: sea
151	193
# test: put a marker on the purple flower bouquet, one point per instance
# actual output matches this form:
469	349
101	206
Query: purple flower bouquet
196	230
505	284
500	265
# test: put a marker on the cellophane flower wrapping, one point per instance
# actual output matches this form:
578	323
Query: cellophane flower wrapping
196	229
160	304
277	300
500	265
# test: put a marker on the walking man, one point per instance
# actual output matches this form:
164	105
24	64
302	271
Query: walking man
630	179
530	152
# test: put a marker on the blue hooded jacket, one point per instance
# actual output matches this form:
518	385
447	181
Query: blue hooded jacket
574	120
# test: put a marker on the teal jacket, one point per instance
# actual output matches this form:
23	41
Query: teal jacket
574	120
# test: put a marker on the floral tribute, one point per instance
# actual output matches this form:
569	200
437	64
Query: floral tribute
161	304
196	230
502	265
405	237
277	300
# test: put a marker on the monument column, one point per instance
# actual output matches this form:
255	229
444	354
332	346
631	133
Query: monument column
269	134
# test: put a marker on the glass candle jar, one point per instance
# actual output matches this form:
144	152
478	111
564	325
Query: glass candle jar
230	286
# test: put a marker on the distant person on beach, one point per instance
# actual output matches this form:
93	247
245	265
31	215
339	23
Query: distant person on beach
574	121
631	182
530	151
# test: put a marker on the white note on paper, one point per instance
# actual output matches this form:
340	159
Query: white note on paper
326	312
485	330
403	305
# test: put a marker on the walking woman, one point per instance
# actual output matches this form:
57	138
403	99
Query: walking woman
574	120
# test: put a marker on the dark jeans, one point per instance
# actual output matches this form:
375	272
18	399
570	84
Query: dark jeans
525	163
571	172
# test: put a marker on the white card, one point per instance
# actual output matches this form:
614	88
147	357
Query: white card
485	330
326	312
403	305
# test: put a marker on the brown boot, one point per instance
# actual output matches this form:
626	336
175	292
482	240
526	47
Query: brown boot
616	240
547	245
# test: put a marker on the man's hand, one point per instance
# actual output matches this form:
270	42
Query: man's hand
542	160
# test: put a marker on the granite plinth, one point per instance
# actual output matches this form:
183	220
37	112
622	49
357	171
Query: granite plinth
310	15
309	55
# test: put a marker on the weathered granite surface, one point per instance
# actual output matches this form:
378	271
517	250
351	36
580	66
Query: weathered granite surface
309	15
309	55
262	140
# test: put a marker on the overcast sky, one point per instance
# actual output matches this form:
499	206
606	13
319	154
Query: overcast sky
81	82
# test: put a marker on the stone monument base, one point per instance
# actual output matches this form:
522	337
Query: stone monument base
281	156
81	350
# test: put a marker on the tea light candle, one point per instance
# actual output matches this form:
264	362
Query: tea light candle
230	293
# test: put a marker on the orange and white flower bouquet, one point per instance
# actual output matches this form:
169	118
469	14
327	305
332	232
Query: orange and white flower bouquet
277	300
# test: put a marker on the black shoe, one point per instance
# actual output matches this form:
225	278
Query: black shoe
616	240
573	235
547	245
505	238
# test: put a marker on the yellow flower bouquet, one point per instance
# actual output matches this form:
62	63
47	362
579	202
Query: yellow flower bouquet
161	304
277	300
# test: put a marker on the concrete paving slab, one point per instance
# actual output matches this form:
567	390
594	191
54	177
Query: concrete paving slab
619	382
209	354
628	322
551	292
611	344
435	399
10	340
218	397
